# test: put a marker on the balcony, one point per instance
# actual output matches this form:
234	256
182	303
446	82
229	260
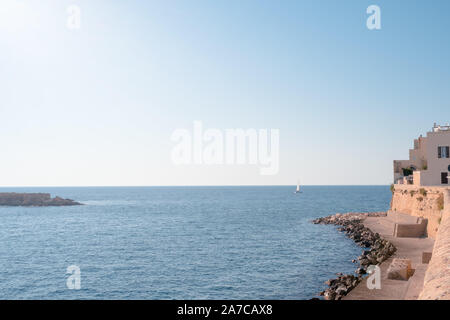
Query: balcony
414	179
439	128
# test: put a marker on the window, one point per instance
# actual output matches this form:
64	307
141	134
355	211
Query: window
443	152
444	177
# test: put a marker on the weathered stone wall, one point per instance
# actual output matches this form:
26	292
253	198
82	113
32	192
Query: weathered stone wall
426	202
410	230
437	277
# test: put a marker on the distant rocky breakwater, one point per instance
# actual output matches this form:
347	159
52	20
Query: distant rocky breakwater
34	200
376	250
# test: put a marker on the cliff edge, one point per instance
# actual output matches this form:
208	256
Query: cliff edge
34	200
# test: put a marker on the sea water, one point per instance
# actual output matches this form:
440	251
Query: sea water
180	242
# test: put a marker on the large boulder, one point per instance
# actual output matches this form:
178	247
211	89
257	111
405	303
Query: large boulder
400	269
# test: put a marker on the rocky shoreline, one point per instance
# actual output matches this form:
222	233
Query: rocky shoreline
376	250
13	199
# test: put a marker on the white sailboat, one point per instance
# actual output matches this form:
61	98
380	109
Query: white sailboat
298	188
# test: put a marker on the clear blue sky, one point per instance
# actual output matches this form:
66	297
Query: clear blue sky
97	106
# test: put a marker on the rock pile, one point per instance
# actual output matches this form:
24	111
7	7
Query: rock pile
376	250
340	286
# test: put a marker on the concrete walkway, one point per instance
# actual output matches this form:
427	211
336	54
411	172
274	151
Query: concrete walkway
409	248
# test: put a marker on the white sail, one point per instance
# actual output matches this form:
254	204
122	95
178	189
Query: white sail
298	186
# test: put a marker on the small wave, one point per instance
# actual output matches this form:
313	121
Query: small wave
108	202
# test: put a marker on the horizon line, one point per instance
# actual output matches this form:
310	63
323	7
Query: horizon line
172	186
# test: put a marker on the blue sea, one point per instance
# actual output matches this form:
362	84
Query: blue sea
180	242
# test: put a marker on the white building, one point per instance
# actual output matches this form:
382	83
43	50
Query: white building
429	161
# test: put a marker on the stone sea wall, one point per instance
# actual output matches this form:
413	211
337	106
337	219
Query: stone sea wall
437	277
432	203
426	202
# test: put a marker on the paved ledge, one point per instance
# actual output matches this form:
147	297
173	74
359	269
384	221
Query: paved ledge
407	248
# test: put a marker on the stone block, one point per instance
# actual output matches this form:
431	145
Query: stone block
400	269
